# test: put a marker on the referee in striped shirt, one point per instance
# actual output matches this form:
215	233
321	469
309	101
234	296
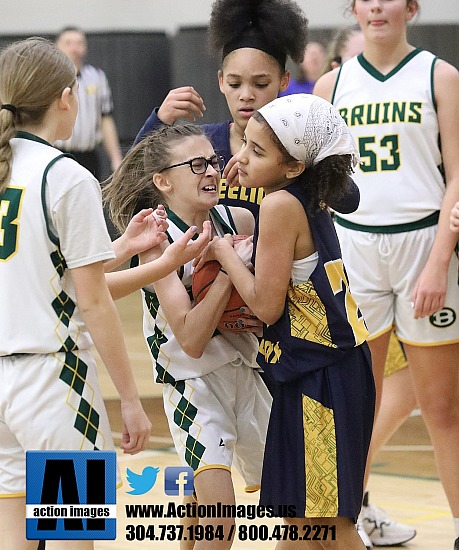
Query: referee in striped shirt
94	124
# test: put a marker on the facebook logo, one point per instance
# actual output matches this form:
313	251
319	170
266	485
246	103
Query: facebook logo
178	481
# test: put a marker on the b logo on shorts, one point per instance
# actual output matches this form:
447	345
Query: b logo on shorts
443	318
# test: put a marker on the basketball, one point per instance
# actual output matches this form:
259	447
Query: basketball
201	282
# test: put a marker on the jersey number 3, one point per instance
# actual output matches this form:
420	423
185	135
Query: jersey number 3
10	207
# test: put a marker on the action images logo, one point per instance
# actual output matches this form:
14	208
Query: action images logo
71	495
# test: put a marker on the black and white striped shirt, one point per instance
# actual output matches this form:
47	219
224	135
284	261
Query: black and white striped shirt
95	101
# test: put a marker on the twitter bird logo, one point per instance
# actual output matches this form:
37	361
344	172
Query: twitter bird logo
141	483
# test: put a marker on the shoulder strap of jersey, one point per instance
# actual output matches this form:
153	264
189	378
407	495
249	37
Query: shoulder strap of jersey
335	87
222	220
51	235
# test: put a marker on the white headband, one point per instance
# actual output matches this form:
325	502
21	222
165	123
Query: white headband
310	128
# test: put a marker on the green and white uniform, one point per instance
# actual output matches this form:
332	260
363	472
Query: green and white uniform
217	406
50	220
386	242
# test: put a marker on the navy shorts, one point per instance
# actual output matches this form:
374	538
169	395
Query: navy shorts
318	438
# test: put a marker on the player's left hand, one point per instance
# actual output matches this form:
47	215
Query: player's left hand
244	249
146	229
231	173
430	291
211	251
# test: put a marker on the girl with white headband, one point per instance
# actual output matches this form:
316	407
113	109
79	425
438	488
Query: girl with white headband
314	349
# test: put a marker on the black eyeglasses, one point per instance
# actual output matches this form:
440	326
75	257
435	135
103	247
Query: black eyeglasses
199	165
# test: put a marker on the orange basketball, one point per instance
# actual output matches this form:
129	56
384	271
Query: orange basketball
201	282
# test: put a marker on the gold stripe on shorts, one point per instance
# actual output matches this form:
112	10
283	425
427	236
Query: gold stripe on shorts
320	459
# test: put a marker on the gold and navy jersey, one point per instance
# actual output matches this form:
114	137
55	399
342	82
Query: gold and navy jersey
321	320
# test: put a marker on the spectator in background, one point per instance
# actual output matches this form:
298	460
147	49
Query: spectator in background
346	42
94	124
310	69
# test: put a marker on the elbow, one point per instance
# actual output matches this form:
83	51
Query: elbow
270	319
270	315
193	349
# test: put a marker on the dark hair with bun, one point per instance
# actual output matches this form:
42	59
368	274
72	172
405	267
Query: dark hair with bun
277	27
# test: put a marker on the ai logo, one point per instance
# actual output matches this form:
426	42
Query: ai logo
71	495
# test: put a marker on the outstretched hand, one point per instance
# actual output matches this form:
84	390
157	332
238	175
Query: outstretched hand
146	229
186	249
184	102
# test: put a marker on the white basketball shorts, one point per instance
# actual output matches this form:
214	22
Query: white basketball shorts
219	419
48	402
383	270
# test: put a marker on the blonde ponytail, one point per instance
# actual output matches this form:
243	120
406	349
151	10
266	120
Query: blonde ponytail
34	73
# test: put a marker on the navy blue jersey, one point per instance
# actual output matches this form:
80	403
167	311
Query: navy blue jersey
321	321
219	135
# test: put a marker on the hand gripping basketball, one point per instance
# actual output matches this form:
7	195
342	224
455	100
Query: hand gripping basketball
232	316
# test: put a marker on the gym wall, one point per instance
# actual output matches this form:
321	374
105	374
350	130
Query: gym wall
143	66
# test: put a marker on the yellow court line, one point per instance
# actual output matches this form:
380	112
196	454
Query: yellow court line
426	513
408	448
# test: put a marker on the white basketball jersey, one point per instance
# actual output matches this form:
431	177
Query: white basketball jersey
170	362
394	123
38	312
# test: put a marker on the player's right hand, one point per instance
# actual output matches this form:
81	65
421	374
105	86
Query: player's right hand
137	427
146	229
184	102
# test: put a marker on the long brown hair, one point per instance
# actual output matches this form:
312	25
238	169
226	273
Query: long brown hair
131	186
34	73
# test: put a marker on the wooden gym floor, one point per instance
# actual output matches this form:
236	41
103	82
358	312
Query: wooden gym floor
404	479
